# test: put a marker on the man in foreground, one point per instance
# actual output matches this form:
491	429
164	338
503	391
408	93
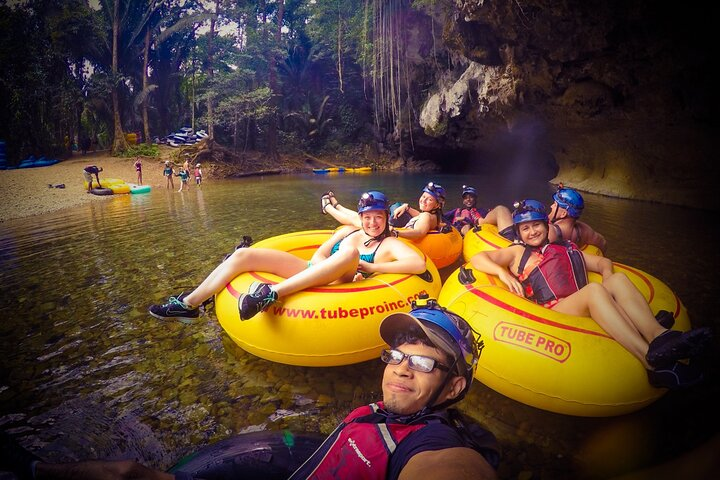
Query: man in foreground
431	361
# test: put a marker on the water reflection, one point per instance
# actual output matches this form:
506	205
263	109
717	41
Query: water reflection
87	373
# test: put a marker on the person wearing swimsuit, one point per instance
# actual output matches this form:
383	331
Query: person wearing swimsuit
422	221
564	217
138	170
615	304
364	257
358	253
168	173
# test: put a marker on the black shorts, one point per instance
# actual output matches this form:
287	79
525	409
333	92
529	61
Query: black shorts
509	233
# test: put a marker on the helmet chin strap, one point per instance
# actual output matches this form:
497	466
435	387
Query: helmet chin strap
430	405
555	214
383	234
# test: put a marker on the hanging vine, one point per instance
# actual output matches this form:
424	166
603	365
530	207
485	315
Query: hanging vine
365	46
340	48
390	75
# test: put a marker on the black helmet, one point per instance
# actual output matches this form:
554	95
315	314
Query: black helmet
467	189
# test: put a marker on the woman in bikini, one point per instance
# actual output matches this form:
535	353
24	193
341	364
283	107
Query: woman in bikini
426	218
350	254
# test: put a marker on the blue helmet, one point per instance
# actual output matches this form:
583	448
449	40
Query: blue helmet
570	200
529	210
437	191
446	330
469	190
372	200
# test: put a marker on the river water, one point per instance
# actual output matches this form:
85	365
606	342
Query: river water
87	373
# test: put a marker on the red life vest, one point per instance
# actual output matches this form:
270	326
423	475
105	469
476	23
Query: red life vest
466	215
360	447
552	272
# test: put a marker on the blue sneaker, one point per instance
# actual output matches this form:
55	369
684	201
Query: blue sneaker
259	297
175	308
679	375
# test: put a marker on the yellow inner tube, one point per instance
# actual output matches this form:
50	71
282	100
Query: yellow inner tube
322	326
553	361
443	248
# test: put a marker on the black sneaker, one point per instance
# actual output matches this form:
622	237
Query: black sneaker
679	375
175	308
665	319
672	345
259	297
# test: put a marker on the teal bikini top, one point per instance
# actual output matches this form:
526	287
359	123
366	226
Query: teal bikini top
367	257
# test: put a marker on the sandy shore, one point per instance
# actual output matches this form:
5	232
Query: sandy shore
24	192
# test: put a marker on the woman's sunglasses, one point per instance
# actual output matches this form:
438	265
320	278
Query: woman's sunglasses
419	363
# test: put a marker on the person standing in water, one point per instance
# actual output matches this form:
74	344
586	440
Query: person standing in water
168	173
138	170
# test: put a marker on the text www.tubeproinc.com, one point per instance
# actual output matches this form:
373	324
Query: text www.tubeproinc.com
340	312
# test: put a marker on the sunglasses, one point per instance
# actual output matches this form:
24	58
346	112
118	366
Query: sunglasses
419	363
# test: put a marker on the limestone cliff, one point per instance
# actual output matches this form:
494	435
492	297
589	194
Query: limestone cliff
612	97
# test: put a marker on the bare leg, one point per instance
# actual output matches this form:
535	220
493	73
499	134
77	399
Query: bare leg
595	301
343	215
245	260
500	216
341	266
634	305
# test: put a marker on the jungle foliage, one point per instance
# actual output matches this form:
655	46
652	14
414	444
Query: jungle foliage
271	75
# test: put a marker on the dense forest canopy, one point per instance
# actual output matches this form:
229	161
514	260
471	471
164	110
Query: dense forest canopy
267	75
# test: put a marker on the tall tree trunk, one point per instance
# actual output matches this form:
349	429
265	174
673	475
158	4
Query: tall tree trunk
192	93
146	58
272	80
119	142
339	51
210	72
236	121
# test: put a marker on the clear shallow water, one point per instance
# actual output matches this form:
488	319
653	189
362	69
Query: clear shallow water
87	373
